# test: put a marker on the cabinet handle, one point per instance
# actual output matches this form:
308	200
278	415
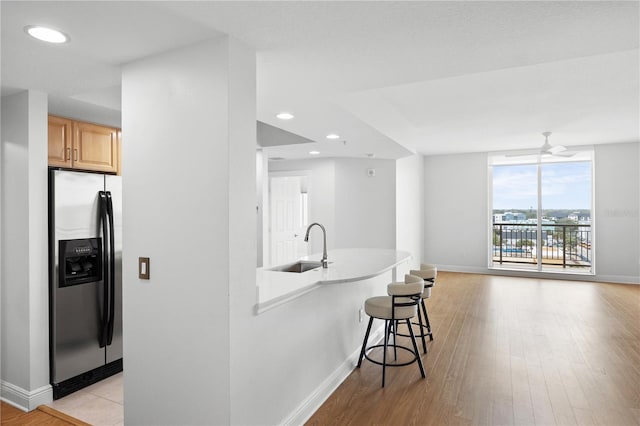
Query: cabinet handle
75	155
68	156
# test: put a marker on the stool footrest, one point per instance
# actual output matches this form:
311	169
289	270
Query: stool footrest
422	331
415	356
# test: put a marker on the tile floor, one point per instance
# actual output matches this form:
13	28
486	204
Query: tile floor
100	404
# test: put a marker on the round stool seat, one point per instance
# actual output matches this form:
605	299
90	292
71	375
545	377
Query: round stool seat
381	307
428	273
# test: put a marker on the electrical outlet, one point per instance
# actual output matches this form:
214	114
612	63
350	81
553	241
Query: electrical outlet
361	315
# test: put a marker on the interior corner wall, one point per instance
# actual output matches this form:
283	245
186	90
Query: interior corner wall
456	211
183	181
24	275
365	204
410	207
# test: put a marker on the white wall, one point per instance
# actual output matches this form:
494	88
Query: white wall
410	208
189	205
242	241
288	359
456	216
24	275
356	209
261	214
617	212
365	205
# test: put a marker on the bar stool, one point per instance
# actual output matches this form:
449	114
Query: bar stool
427	289
428	272
400	305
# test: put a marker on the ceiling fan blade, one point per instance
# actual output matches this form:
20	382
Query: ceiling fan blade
564	154
522	154
556	149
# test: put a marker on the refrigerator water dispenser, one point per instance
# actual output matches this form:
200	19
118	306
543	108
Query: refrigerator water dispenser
80	261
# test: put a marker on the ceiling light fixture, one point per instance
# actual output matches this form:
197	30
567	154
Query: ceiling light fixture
314	152
284	116
46	34
333	136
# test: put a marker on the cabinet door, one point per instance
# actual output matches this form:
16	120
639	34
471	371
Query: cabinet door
95	148
60	137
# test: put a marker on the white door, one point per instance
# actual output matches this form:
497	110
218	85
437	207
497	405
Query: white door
288	215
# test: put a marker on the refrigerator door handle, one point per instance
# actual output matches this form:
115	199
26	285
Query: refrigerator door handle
104	326
112	269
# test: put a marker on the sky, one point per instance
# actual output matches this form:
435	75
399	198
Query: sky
564	186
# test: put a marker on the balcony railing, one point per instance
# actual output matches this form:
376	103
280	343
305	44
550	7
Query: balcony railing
563	245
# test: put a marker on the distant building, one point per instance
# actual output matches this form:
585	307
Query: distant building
511	217
507	217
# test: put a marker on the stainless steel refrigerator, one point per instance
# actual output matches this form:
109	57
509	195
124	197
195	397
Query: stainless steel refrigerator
85	279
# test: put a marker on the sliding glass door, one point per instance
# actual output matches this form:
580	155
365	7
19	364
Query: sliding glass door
515	215
542	215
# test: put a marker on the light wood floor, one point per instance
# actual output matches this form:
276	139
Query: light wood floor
509	351
42	416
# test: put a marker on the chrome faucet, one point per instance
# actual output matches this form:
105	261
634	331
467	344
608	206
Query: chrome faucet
325	264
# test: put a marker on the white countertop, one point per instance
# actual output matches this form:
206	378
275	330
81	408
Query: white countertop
345	265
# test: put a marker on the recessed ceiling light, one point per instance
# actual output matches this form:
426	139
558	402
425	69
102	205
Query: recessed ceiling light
284	116
46	34
314	152
333	136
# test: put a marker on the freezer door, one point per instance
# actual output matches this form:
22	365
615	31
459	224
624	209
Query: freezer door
113	184
76	347
76	310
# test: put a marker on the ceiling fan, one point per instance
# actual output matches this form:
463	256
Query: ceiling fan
546	149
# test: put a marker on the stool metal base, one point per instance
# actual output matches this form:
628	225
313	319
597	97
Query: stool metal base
387	327
425	329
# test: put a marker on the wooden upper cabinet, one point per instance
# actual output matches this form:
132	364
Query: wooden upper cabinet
60	141
83	146
95	147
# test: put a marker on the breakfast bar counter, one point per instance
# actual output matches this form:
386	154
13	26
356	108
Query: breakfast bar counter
345	265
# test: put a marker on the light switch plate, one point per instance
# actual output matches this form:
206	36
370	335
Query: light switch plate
143	268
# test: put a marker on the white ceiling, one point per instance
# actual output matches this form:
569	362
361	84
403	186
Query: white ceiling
389	77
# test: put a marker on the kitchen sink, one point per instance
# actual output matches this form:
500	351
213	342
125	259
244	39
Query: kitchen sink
298	267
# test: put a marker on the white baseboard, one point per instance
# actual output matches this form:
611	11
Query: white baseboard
616	279
24	399
311	404
464	269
